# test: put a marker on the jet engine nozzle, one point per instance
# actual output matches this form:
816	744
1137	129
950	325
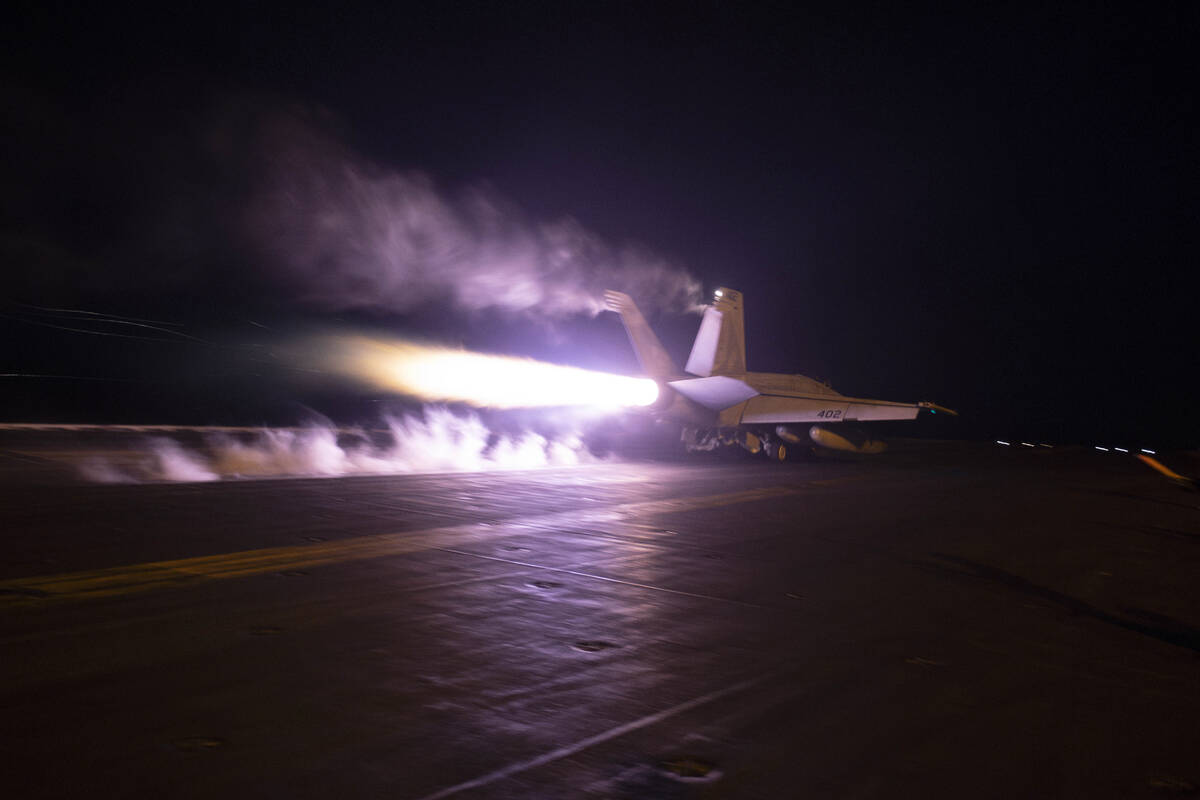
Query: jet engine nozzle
672	404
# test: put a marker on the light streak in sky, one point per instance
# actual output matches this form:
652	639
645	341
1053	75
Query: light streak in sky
93	322
487	381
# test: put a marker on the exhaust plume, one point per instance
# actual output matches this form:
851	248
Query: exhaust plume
440	374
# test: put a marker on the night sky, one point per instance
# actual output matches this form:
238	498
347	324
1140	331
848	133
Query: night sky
994	210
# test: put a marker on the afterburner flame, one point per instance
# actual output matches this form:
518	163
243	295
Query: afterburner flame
487	381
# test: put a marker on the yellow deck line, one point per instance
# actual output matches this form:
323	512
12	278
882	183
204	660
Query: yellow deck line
134	578
1158	465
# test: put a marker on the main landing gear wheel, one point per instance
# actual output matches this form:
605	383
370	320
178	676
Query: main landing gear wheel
776	451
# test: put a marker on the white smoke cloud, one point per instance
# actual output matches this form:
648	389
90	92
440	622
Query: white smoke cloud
436	441
347	234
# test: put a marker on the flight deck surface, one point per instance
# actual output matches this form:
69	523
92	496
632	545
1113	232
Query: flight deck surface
948	620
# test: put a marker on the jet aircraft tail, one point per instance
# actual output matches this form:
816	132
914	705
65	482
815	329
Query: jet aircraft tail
655	361
720	346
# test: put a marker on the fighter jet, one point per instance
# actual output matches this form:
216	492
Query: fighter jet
763	412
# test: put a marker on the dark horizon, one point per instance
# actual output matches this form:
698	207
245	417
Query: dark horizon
993	210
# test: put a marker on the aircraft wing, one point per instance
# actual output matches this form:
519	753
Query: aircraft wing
827	408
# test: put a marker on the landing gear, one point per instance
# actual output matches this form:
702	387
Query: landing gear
776	451
776	448
696	439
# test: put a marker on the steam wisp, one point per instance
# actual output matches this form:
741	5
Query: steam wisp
343	232
435	441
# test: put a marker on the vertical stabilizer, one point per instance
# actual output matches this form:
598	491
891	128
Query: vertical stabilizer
720	347
650	352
